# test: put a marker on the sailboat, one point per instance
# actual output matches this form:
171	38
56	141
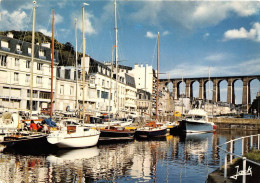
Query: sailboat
74	135
23	138
152	128
119	131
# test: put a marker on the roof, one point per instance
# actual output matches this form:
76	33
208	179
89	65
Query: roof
24	49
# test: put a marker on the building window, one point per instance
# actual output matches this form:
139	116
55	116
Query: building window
16	76
98	93
3	60
28	64
49	81
16	62
39	80
103	82
71	90
61	89
39	66
104	95
27	78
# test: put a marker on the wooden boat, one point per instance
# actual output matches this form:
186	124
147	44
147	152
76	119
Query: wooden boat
151	129
23	139
116	133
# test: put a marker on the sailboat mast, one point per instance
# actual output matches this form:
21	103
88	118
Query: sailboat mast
110	84
116	59
83	64
32	58
157	92
52	62
76	64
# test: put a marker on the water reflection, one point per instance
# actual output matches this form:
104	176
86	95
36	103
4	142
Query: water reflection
174	158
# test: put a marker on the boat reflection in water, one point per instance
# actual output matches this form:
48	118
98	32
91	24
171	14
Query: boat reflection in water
73	154
188	158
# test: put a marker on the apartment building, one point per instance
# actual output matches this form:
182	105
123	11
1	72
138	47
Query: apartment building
15	74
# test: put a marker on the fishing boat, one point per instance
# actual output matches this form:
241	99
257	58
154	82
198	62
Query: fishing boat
151	129
196	121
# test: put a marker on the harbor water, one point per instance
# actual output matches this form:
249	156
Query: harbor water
174	158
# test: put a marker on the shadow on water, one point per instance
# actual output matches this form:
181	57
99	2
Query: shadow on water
39	150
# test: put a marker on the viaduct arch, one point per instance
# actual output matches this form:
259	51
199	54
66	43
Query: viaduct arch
216	87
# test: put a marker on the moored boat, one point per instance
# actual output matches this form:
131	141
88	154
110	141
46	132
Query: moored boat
196	121
116	133
74	136
150	130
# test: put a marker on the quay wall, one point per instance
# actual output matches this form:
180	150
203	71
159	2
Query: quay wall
236	123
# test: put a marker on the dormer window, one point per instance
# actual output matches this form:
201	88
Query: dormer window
5	45
42	54
18	47
29	51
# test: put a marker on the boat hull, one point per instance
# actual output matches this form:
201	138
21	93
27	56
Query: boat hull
118	133
150	133
26	141
196	127
74	142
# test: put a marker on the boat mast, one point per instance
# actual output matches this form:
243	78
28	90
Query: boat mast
76	45
110	84
83	65
157	92
116	61
32	58
182	93
52	62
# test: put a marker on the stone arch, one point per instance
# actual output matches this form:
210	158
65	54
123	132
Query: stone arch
180	88
195	88
237	86
208	87
254	87
222	90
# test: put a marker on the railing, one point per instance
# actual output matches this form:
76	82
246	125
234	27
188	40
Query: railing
230	153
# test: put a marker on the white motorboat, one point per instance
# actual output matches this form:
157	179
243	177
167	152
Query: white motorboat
74	136
196	121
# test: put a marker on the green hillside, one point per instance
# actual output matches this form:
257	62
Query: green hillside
66	51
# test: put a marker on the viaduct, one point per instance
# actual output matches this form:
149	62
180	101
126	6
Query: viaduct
216	87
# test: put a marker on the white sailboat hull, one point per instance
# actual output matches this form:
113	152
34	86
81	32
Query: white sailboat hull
74	140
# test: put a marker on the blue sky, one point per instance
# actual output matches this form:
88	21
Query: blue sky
194	35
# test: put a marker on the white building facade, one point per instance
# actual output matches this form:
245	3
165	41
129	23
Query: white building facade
15	74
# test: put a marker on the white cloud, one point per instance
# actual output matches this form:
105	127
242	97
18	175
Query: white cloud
45	32
13	21
242	33
206	35
165	33
249	67
58	18
89	29
150	35
191	14
216	57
